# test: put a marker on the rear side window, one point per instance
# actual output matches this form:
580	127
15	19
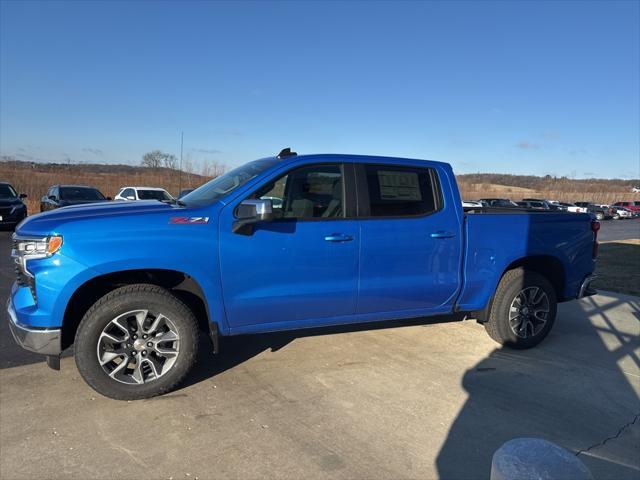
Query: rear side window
396	191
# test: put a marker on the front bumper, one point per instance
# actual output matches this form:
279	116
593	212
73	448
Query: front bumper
45	341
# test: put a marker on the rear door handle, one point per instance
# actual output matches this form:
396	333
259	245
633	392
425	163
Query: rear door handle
442	234
338	237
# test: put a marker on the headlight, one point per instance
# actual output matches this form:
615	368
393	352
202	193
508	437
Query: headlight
25	249
37	247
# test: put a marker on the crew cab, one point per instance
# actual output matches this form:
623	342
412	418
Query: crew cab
285	242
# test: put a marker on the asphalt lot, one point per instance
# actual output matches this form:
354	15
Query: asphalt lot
611	230
416	399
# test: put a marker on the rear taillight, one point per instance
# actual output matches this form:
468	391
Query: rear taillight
595	226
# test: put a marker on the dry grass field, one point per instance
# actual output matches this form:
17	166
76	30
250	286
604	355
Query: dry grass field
517	187
34	179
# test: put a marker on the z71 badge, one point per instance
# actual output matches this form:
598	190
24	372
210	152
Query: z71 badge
188	220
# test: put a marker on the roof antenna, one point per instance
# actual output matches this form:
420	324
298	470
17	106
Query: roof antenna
286	152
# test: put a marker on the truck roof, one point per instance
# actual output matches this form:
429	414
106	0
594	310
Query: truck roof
357	158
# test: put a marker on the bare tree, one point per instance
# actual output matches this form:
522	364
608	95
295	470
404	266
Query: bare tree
157	159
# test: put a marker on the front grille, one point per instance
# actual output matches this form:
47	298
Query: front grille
22	279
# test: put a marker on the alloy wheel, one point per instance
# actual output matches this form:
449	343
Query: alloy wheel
138	347
529	312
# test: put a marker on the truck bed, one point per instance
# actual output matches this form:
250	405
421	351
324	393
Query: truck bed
497	238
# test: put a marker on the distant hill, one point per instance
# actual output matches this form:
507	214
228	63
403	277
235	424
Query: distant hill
34	179
516	187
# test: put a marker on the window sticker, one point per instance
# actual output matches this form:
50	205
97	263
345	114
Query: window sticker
399	186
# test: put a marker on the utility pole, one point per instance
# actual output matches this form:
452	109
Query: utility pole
180	173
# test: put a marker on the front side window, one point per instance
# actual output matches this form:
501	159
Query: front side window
400	191
312	192
128	192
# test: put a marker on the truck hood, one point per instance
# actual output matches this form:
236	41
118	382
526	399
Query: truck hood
51	221
68	203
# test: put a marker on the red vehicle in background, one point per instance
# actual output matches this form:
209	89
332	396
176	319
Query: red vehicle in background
633	206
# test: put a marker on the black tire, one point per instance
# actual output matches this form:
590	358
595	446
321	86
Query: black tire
118	302
512	283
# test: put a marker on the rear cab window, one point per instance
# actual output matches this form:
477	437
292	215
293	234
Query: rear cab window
398	191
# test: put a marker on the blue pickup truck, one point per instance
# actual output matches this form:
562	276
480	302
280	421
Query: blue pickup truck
285	242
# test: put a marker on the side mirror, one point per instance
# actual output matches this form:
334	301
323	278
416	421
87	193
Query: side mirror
130	197
23	196
250	212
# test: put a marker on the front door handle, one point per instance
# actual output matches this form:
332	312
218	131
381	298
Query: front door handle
338	237
442	234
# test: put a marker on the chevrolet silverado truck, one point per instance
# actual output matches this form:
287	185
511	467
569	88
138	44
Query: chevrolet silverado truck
285	242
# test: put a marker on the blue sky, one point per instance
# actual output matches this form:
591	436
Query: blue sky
515	87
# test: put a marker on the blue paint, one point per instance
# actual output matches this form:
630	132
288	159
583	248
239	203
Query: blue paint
299	274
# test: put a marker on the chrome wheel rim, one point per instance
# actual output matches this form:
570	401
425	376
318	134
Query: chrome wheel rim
138	347
529	312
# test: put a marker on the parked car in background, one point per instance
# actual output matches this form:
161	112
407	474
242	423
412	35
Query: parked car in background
355	239
12	209
498	202
547	204
65	195
600	212
471	204
570	207
634	206
185	191
621	212
534	205
132	194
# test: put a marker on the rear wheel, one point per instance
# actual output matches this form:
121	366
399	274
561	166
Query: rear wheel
523	309
136	342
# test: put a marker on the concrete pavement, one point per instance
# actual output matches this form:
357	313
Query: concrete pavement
416	399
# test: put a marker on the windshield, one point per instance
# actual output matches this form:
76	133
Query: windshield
7	191
80	193
154	195
227	183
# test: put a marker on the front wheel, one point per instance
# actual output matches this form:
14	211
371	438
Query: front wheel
136	342
523	309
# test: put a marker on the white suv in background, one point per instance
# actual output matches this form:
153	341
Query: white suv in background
131	194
